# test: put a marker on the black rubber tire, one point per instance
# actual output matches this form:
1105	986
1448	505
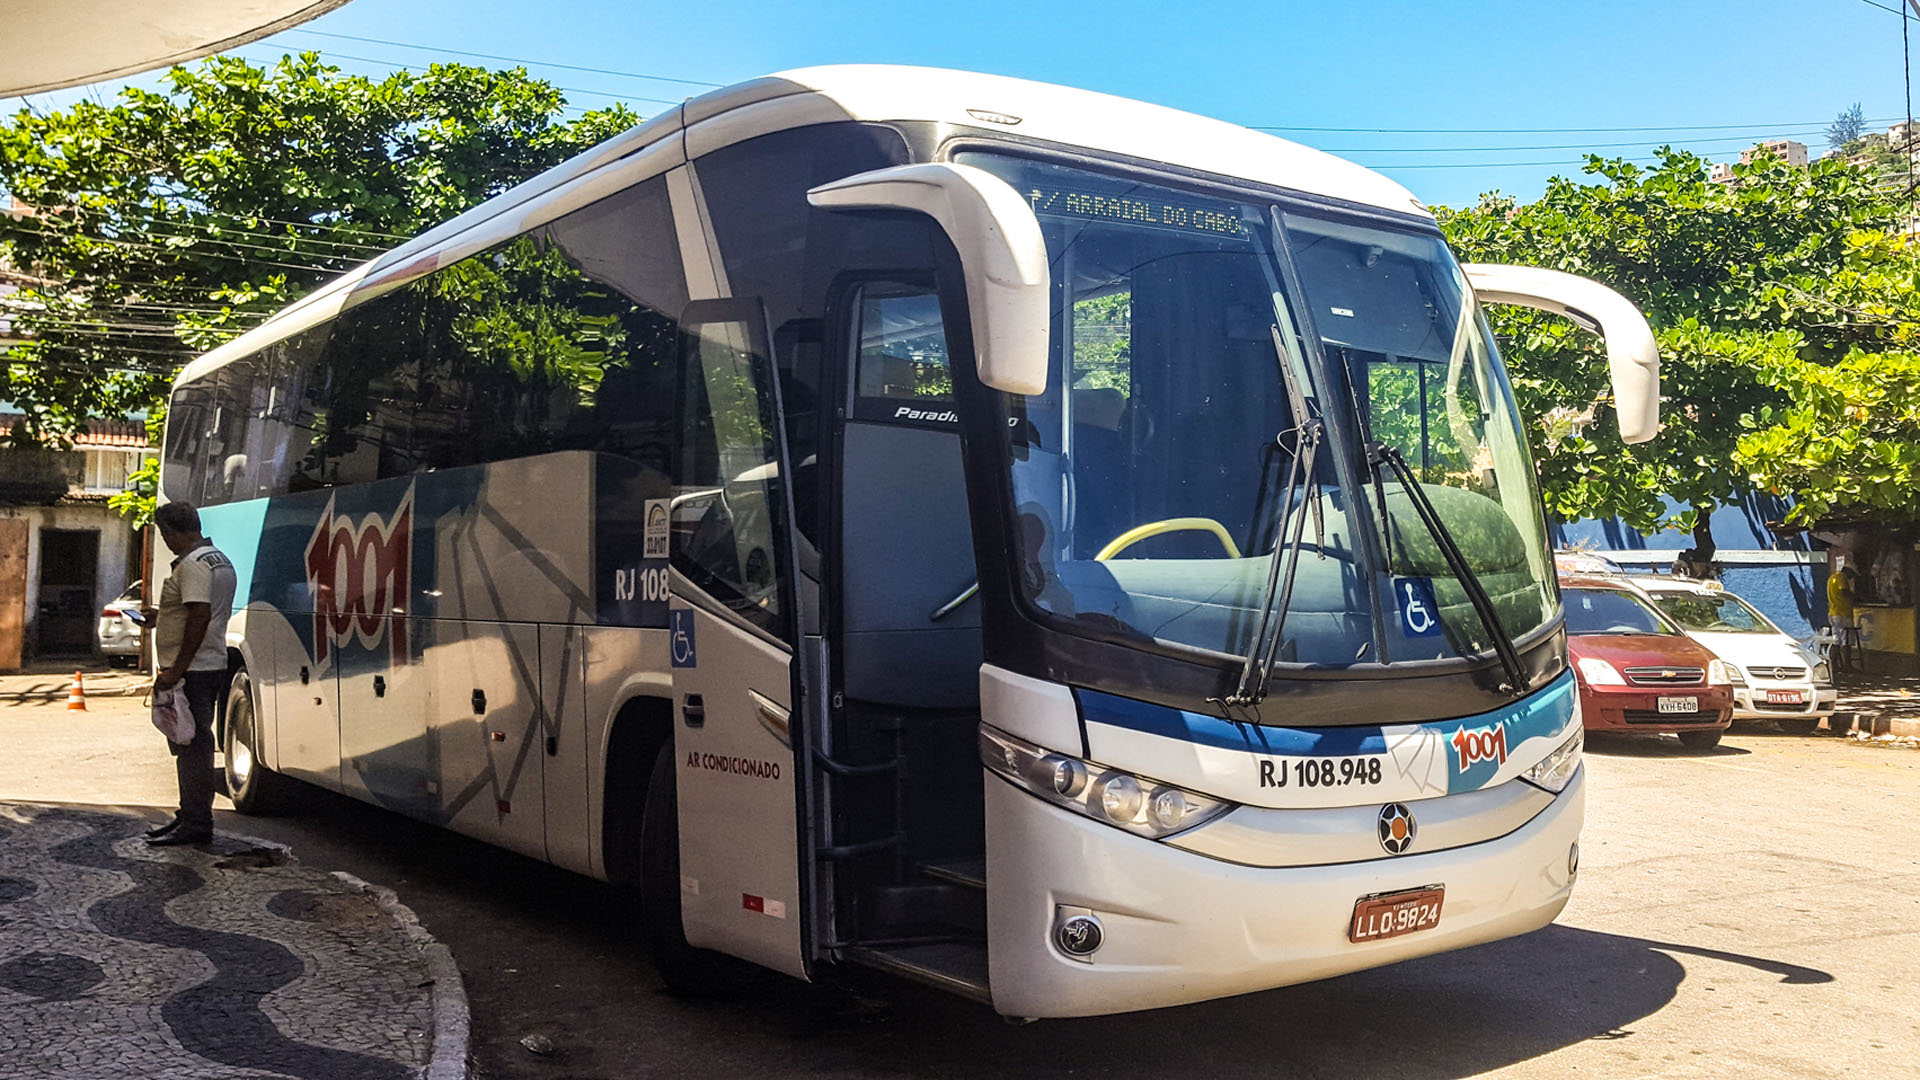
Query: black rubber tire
686	970
1700	740
1797	725
260	790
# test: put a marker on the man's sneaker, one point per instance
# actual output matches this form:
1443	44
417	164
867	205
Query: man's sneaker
181	837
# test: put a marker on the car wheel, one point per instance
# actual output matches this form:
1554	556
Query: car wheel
1700	740
254	788
686	970
1797	725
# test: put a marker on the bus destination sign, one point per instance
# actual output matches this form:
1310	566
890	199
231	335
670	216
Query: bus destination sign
1216	219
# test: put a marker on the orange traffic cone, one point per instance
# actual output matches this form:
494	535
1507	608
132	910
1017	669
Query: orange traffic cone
77	696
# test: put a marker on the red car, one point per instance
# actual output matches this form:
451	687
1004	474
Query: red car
1638	671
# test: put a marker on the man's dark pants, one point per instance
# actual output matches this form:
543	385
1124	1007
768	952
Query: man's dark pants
194	761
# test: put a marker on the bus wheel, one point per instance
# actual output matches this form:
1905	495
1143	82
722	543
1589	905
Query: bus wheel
686	970
254	788
1700	740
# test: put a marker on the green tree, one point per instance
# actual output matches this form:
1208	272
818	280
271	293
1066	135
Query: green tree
174	219
1735	279
1847	126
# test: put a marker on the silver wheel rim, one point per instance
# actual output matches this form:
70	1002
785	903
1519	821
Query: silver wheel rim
240	755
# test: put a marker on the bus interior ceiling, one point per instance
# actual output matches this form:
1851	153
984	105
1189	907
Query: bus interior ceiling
911	689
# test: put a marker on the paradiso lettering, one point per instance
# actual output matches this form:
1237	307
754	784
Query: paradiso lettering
360	575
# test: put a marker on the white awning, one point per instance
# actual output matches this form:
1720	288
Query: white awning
51	44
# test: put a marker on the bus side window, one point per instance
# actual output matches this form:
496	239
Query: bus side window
728	499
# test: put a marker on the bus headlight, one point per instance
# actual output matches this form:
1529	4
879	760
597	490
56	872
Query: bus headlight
1555	771
1134	803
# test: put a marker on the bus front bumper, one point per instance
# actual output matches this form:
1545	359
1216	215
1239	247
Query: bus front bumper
1178	927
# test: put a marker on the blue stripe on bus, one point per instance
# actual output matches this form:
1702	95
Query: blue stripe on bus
1545	713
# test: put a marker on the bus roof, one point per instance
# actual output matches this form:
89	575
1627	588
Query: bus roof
990	104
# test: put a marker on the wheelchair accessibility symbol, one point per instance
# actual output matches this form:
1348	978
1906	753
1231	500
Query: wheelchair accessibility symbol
680	638
1419	613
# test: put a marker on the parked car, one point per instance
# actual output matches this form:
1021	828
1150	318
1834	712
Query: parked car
1638	671
1774	678
118	633
1585	562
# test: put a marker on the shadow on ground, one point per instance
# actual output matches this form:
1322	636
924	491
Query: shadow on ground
548	952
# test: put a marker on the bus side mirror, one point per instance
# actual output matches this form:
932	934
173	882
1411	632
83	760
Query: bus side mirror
1633	360
1002	254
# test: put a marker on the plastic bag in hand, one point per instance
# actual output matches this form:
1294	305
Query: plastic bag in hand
172	715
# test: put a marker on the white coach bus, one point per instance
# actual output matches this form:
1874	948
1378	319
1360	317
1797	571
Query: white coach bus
1076	553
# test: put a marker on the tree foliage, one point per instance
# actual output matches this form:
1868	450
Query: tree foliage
1847	126
174	219
1748	286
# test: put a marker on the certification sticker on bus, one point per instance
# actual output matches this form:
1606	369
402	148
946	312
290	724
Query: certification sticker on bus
658	523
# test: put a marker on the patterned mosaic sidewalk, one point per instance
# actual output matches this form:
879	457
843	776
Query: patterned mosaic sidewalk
230	961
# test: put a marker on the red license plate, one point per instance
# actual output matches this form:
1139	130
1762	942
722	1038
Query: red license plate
1786	697
1388	915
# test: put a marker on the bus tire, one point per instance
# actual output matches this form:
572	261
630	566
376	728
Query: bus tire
254	788
1700	740
686	970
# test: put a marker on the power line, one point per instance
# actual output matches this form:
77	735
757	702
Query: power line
1902	12
1542	131
400	65
139	245
511	59
231	215
1743	139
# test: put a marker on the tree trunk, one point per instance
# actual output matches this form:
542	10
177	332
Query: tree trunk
1703	545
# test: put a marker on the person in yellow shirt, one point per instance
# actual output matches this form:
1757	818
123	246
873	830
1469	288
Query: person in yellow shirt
1846	632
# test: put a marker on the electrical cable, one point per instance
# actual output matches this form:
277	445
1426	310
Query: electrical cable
508	59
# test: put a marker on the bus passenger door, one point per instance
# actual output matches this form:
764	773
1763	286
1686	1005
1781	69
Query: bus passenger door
730	623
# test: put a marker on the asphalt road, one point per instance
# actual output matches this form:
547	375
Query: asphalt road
1754	912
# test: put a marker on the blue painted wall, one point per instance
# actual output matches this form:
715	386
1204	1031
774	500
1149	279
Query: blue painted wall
1792	595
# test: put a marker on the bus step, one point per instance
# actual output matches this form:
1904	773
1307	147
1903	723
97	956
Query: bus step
971	871
923	909
954	967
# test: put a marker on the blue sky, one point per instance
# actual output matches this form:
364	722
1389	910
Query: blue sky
1772	66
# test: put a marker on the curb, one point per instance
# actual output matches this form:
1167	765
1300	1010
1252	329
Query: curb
451	1020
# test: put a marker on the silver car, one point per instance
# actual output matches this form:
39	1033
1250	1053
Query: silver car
118	634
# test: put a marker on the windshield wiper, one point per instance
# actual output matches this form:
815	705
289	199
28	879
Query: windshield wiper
1270	628
1380	454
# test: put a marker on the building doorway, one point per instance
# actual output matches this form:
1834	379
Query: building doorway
69	574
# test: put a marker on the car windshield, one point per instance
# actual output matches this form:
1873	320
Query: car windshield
1148	479
1720	613
1611	611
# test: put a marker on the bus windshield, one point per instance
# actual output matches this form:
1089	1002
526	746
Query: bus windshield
1151	480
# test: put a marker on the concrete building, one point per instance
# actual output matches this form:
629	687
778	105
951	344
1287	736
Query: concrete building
64	553
1787	150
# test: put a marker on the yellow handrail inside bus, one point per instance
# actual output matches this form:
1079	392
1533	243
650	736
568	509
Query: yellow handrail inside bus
1154	528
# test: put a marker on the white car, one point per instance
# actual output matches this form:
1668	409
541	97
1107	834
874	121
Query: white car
118	633
1774	678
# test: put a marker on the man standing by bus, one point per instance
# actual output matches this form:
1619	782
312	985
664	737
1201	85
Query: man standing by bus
190	637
